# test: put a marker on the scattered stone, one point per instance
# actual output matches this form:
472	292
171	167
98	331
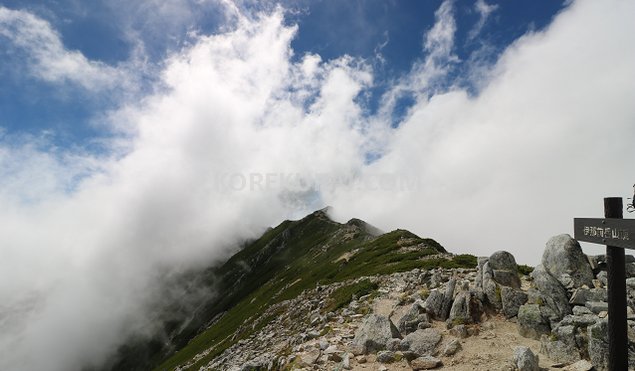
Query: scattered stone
346	362
423	342
310	357
335	357
361	359
525	360
460	331
425	363
375	332
386	356
451	348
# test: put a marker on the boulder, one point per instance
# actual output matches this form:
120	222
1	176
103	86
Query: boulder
504	269
425	363
512	299
583	294
561	345
531	323
465	309
490	287
597	306
423	342
434	304
481	260
451	348
525	360
374	333
598	350
447	298
552	292
386	356
563	259
410	321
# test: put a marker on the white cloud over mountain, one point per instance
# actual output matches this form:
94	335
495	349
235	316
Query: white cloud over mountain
216	155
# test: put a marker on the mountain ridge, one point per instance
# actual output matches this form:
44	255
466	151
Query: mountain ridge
284	261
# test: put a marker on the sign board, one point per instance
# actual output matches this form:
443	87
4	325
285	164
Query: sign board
611	232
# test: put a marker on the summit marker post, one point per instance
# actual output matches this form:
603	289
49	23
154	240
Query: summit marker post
617	234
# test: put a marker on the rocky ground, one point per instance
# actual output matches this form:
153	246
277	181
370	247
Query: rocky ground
488	318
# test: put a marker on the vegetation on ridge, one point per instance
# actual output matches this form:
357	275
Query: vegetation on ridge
293	257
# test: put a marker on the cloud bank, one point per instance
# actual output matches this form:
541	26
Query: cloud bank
241	134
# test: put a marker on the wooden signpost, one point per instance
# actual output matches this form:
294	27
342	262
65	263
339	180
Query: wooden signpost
617	234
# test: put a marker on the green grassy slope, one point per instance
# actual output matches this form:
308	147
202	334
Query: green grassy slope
288	259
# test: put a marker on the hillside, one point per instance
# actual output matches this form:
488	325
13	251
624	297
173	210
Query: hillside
285	261
314	294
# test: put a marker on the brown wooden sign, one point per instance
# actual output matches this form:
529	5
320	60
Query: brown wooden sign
612	232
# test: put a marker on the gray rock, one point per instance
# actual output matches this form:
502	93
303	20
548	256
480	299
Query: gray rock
447	298
630	282
465	309
503	260
580	320
583	294
411	320
525	360
512	299
579	310
393	344
460	331
425	363
598	350
423	342
603	277
504	268
386	356
552	292
597	306
581	365
346	362
531	323
374	333
560	346
490	287
564	259
481	260
434	304
310	357
451	348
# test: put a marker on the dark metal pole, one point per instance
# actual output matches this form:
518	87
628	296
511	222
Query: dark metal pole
616	266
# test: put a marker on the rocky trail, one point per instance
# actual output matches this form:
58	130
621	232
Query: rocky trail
487	318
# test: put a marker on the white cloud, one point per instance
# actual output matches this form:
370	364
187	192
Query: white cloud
46	56
548	136
545	140
484	11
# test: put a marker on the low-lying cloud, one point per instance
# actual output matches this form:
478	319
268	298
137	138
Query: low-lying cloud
86	237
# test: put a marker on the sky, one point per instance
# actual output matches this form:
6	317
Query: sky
141	139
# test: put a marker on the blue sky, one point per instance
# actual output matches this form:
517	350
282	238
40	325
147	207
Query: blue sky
150	136
387	34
